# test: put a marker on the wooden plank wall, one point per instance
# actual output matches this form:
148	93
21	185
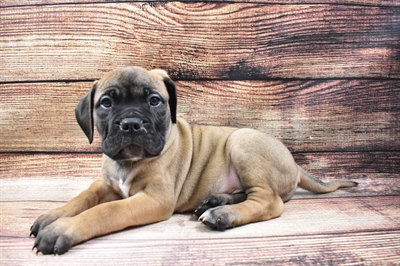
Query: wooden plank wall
322	76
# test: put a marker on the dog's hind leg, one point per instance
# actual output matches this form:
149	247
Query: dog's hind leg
262	203
265	170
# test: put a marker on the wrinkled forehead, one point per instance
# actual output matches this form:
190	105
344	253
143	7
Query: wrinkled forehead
132	79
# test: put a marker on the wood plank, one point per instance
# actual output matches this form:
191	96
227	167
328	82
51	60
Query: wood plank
354	248
389	3
41	117
350	164
338	230
54	177
311	216
73	166
60	177
360	227
242	41
322	115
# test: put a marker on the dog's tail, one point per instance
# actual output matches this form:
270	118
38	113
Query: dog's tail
311	183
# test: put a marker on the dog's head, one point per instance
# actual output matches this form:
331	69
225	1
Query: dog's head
132	109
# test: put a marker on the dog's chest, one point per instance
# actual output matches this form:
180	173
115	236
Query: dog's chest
119	178
122	186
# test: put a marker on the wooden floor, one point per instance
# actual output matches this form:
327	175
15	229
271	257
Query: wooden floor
352	226
321	75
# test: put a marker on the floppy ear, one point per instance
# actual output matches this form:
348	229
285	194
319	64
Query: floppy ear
171	88
172	97
84	113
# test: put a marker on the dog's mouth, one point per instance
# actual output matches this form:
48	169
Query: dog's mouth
131	152
134	144
134	152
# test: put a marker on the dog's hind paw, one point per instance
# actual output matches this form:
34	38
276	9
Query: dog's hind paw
219	200
216	219
206	204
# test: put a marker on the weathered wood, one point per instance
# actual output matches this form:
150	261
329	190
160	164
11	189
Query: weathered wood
301	217
389	3
306	115
69	166
76	166
318	115
335	230
302	59
350	164
41	117
335	215
238	41
60	177
362	228
367	248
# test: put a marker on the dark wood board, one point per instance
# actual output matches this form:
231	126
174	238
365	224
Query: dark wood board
388	3
84	165
199	40
307	115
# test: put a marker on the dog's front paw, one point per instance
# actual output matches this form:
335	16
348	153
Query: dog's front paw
56	238
216	218
44	220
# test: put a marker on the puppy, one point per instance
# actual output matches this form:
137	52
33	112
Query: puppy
155	164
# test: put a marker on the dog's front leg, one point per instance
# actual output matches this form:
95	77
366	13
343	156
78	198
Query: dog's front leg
97	193
62	234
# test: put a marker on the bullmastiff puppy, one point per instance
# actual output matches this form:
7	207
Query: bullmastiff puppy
155	164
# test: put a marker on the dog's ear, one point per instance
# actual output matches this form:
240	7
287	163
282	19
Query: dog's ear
171	88
84	113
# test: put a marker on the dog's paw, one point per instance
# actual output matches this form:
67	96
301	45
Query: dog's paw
219	200
216	219
55	239
206	204
44	220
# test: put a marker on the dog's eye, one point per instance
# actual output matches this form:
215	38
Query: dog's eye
106	102
155	101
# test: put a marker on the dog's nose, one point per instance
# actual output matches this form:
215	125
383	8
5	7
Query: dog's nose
131	125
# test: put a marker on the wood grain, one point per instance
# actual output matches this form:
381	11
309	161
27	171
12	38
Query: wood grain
40	117
389	3
83	165
322	76
307	115
352	248
350	164
361	225
240	41
73	166
336	231
60	177
313	216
